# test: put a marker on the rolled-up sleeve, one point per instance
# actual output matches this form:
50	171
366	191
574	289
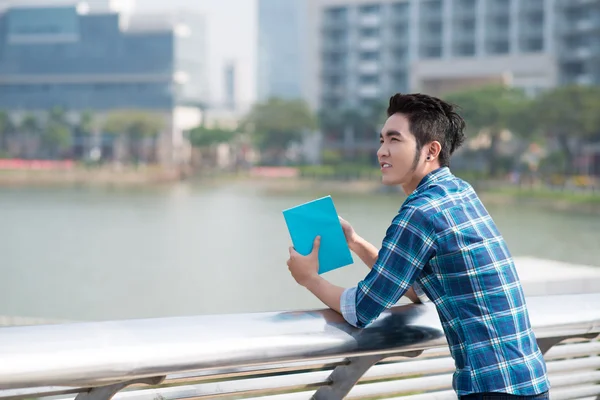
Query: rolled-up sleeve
348	305
408	245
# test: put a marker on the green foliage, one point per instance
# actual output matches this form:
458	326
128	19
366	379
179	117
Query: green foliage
6	128
136	124
363	122
347	171
570	110
277	123
56	136
205	137
30	125
493	107
331	157
85	126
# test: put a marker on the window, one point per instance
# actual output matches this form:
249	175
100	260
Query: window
369	9
369	56
368	79
369	32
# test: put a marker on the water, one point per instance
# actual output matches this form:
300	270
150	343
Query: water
84	254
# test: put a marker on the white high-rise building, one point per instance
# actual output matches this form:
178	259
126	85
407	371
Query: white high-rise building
365	50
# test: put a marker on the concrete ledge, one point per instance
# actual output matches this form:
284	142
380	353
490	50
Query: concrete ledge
547	277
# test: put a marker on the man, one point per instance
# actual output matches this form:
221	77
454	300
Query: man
442	244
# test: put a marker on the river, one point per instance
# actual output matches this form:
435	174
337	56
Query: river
189	249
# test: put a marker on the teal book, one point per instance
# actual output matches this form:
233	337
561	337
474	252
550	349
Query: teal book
319	218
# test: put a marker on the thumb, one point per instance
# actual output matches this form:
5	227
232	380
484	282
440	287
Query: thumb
316	245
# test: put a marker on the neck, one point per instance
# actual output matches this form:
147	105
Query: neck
418	176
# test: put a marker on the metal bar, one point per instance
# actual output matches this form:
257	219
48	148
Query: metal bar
254	370
307	380
579	378
254	386
107	392
392	388
382	371
88	355
576	364
443	395
95	354
576	392
573	350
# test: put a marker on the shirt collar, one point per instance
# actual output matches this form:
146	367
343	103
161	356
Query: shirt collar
437	175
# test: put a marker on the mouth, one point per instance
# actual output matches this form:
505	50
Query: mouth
385	165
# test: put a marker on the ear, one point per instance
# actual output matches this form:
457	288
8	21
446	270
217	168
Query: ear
434	150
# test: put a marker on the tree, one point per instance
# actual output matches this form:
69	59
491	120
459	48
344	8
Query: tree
205	137
57	136
569	112
350	124
6	129
85	125
493	108
29	132
132	126
277	123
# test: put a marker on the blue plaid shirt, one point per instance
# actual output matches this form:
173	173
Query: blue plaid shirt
444	243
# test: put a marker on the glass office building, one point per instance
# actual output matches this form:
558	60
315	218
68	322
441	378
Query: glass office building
56	56
282	34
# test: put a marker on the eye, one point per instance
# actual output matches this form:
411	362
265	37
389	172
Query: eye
395	139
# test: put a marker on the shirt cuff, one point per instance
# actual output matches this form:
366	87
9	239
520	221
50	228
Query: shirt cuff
348	306
420	293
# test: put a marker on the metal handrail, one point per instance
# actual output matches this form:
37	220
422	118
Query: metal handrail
99	354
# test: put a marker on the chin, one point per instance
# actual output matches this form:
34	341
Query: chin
389	182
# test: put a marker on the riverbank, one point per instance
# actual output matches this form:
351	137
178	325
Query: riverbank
492	193
81	176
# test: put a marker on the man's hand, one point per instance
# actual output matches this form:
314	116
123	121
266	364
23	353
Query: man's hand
305	269
349	232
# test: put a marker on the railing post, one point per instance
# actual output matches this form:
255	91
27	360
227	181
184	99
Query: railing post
547	343
107	392
344	377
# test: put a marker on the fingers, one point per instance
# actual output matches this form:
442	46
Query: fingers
316	245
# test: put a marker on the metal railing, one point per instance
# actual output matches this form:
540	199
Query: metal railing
280	355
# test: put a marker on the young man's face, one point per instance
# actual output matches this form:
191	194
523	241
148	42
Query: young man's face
398	156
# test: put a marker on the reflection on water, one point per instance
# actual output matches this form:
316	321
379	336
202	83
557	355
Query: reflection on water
85	254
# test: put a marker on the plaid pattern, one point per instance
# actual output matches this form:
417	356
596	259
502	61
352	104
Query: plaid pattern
445	244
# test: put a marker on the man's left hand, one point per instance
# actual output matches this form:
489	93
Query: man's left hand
305	268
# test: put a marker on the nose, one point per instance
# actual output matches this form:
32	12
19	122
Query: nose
382	151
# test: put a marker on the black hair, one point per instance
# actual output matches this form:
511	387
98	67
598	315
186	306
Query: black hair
430	119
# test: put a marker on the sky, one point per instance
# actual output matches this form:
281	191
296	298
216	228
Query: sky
231	29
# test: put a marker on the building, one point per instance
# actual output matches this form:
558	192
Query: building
83	57
365	50
230	85
578	47
282	32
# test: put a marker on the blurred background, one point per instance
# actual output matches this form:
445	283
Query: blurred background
148	147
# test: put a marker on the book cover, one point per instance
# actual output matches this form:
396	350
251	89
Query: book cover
319	218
